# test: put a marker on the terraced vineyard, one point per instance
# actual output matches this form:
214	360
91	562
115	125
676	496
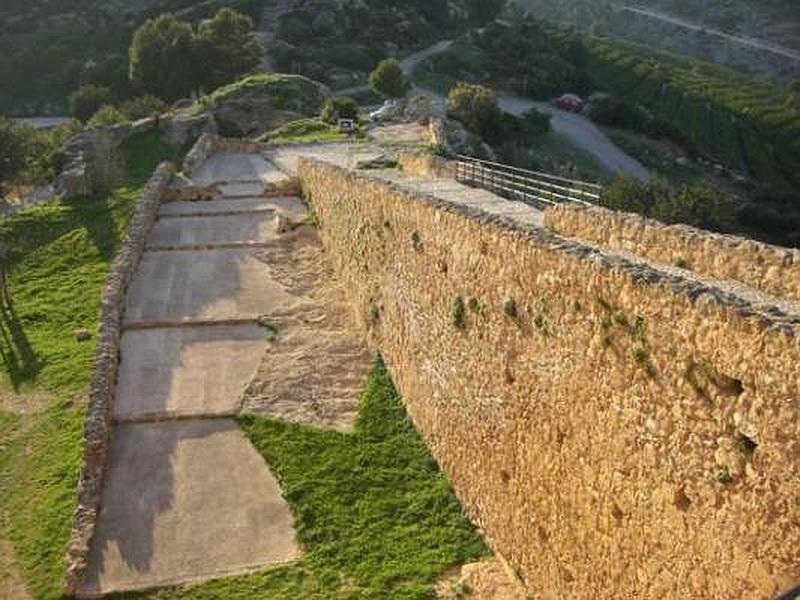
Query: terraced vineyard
746	125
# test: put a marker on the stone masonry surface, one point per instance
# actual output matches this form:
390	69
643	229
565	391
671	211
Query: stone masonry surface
104	374
617	429
772	269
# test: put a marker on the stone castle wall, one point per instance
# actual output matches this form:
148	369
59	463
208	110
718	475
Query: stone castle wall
104	374
616	430
772	269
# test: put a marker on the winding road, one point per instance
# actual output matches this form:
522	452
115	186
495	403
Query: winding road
582	132
579	130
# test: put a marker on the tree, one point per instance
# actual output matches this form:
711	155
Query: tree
225	47
388	79
339	107
162	58
14	146
476	107
85	101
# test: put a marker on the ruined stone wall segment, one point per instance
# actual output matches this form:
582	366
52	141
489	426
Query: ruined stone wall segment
617	431
772	269
104	374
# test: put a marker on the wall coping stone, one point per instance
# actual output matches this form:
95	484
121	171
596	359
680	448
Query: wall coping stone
773	269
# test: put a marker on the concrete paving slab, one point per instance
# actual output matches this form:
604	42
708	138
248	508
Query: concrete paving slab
213	230
202	285
190	371
290	207
185	502
230	167
215	207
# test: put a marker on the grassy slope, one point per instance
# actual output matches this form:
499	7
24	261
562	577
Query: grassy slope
60	258
374	513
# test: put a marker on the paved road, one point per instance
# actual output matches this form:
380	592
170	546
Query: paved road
408	64
578	129
41	122
582	133
186	496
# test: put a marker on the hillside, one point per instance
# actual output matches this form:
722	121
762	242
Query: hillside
48	48
761	38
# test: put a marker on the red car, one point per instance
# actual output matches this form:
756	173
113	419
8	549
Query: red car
570	102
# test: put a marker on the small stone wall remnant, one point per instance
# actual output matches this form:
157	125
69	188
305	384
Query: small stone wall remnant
618	430
104	374
426	164
772	269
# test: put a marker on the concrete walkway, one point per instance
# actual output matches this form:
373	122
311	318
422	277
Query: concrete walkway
186	496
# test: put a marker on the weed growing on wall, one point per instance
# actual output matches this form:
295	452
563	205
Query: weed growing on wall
458	313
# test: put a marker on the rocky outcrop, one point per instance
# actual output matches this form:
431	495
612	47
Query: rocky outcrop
104	374
92	161
181	129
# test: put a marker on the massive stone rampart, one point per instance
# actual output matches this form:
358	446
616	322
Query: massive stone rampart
617	430
104	374
772	269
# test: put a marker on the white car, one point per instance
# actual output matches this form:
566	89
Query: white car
387	111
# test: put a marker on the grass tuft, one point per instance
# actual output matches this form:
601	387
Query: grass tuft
373	511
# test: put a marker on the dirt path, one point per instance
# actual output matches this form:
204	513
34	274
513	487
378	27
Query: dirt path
12	586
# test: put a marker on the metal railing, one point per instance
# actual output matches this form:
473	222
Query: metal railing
532	187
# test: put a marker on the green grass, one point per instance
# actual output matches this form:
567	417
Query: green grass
285	92
710	104
60	255
39	464
374	513
306	131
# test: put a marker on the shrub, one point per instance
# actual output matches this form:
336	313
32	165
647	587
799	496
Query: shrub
629	195
458	312
339	107
14	145
87	99
388	79
535	122
475	106
697	205
107	115
142	107
615	112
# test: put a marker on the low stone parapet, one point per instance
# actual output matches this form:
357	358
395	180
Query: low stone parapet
104	374
772	269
